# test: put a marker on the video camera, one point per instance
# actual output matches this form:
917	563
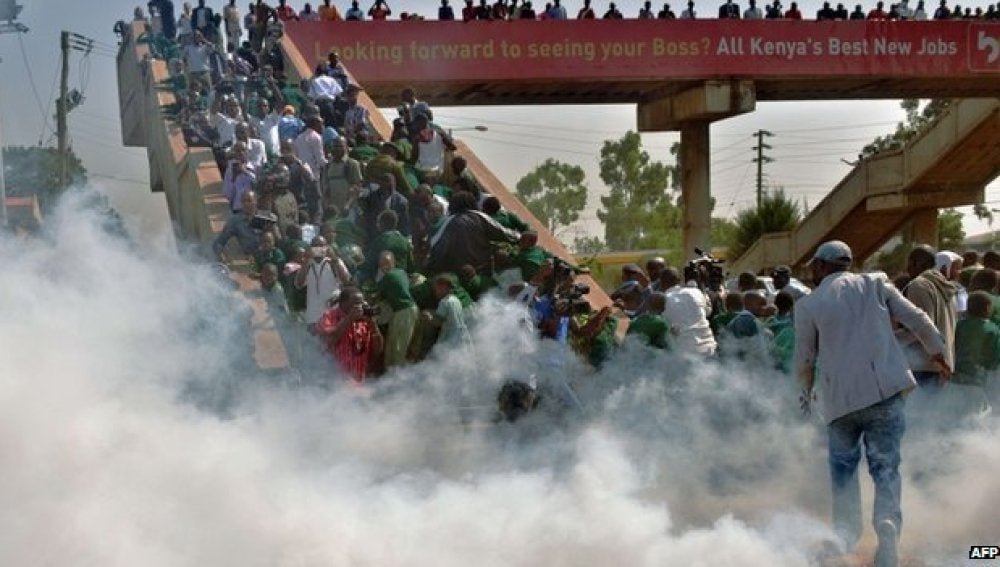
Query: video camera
572	301
707	271
370	311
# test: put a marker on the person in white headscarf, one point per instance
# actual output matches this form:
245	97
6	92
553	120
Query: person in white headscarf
950	264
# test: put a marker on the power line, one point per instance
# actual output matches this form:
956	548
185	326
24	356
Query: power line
34	89
116	178
836	128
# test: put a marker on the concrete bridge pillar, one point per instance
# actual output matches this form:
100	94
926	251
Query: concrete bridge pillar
696	189
924	229
692	111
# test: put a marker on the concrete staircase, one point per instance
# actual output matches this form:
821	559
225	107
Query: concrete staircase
949	164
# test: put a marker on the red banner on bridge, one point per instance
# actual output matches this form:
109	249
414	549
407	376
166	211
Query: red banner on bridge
636	49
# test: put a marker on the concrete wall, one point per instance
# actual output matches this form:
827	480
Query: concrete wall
188	177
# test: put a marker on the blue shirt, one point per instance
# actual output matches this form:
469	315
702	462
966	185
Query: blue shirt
238	225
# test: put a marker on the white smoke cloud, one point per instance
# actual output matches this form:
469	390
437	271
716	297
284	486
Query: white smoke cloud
134	432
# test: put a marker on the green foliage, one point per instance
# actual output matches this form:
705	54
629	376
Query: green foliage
639	212
917	121
723	231
555	192
35	170
983	212
893	260
777	213
588	246
950	237
950	232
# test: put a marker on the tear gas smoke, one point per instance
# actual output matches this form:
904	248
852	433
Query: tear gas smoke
134	432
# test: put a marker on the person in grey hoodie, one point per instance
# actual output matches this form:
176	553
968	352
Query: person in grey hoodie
934	294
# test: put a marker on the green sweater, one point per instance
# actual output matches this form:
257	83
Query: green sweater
509	220
530	261
977	350
654	329
394	288
399	245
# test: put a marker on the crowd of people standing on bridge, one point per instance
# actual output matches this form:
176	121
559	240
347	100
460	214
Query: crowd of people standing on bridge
322	205
376	249
255	19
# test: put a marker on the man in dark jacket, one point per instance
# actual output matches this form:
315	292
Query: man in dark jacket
466	237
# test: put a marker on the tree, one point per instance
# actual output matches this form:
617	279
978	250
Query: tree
555	192
777	213
950	232
588	246
950	237
639	211
917	120
35	171
723	231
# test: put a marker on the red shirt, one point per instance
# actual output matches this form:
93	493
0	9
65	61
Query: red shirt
286	13
877	14
793	14
353	351
379	13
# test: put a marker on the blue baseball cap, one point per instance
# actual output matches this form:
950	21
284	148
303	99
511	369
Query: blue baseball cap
833	252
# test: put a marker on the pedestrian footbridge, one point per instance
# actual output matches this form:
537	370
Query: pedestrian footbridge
947	165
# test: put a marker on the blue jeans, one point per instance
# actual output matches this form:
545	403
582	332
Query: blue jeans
880	428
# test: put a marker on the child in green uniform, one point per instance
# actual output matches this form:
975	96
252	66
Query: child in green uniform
267	253
394	288
783	328
977	351
392	240
651	326
448	315
530	256
733	304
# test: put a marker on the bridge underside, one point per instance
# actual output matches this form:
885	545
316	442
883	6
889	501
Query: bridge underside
493	93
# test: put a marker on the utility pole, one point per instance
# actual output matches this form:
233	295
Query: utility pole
760	160
8	13
61	112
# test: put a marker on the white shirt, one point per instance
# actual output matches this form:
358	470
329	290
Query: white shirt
196	57
256	154
183	25
431	154
226	127
753	14
687	309
844	329
324	86
687	14
267	127
796	289
309	148
321	282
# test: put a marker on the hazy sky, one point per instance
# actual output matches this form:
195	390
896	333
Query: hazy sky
811	138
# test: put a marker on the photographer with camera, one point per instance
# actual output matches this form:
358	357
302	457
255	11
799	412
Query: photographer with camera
321	275
565	315
350	334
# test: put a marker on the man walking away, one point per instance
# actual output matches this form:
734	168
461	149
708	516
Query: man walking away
844	329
